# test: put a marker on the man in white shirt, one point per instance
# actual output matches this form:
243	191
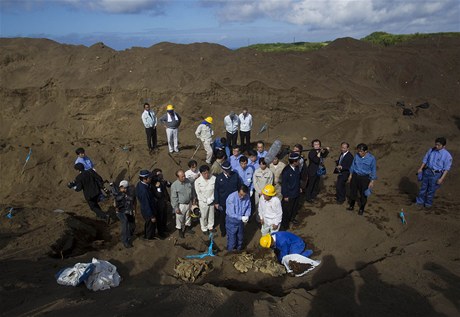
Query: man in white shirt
270	211
204	188
245	129
232	123
149	120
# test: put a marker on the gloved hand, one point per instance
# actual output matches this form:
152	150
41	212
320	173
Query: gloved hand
244	219
209	201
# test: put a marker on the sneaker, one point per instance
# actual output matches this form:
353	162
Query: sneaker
206	233
360	212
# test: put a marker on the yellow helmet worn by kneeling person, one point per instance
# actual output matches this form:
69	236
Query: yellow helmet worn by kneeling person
269	190
266	241
169	107
208	120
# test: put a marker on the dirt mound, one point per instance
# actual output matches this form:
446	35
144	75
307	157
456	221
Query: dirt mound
348	44
55	98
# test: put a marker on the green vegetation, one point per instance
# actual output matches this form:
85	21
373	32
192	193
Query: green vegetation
289	47
387	39
378	38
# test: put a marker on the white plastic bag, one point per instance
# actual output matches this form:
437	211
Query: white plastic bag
301	259
104	276
73	276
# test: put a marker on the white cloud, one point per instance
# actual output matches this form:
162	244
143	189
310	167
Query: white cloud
108	6
120	6
334	14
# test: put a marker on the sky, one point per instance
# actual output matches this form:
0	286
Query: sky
122	24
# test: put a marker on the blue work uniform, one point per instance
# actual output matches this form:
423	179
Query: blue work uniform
436	162
234	161
363	170
246	176
236	208
288	243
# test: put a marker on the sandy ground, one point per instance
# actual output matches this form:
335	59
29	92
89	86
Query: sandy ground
55	98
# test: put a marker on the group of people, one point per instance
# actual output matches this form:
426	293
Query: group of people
232	188
171	120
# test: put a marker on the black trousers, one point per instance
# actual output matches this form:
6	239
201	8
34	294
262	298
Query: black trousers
312	189
162	217
245	139
232	139
94	206
289	211
127	227
222	216
340	186
149	229
359	184
151	137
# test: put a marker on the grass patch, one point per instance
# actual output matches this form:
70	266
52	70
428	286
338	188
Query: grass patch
289	47
377	38
388	39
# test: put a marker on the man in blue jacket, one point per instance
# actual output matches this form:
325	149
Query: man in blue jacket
435	166
148	206
238	211
226	183
363	173
285	243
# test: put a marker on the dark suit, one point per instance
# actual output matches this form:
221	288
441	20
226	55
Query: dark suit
148	209
342	176
312	189
91	183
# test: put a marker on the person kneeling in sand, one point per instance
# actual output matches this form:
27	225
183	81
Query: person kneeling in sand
285	243
270	211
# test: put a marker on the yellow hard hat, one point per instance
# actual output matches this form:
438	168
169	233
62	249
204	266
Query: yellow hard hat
266	241
269	190
208	120
169	107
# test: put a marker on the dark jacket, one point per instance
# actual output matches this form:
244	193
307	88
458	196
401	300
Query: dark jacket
290	182
315	161
347	160
147	201
225	186
125	202
90	182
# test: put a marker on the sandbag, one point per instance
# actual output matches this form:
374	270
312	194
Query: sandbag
300	259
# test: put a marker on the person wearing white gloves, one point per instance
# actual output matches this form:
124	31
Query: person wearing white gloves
238	212
204	188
